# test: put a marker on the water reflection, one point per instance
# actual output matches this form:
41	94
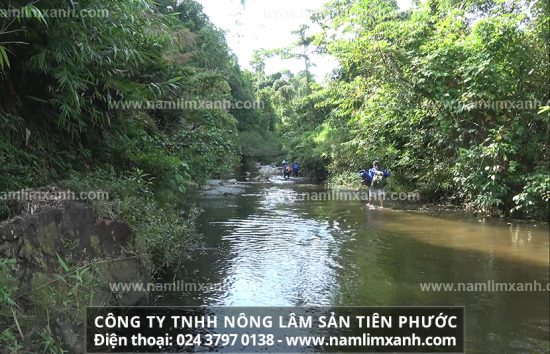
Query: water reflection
278	257
269	248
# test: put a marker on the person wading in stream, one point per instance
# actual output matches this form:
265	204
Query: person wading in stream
295	169
286	172
374	179
285	164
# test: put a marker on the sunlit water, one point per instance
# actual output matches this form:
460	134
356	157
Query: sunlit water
267	247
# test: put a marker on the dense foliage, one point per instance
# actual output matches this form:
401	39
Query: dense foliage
88	93
449	95
137	98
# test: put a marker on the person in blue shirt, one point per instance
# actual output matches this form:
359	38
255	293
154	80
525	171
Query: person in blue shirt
377	177
374	180
365	178
295	169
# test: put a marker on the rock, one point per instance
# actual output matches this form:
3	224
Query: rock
70	338
36	240
214	182
234	189
72	231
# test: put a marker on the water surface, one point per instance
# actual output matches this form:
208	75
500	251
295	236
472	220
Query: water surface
269	247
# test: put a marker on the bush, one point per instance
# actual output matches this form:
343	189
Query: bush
163	233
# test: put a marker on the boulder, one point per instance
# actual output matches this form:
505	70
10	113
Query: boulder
71	231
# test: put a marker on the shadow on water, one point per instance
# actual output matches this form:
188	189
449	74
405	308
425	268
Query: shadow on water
269	248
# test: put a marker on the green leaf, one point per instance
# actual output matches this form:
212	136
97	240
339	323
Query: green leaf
4	60
174	80
62	263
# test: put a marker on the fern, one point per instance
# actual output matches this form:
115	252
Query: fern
4	60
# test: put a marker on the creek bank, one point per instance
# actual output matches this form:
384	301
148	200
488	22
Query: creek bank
60	240
434	208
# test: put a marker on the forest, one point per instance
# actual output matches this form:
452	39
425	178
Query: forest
453	96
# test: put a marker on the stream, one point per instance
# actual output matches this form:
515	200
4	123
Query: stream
269	247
